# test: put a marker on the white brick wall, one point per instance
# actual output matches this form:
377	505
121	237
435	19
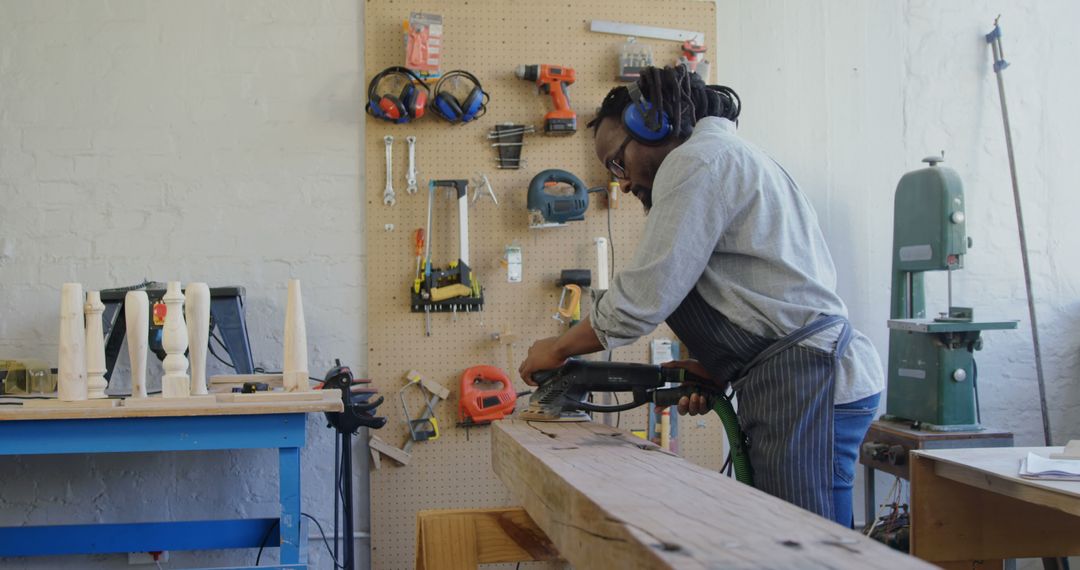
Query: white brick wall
850	95
203	141
220	141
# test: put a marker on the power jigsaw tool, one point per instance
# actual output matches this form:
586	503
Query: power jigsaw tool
550	209
562	392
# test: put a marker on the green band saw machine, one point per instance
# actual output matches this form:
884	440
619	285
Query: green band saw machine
932	372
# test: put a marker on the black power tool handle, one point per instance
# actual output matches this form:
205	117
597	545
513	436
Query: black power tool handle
640	397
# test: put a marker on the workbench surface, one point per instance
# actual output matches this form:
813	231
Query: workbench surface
607	499
971	505
330	402
997	469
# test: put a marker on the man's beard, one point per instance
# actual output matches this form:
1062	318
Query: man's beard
644	194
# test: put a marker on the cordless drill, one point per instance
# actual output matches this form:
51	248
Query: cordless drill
553	79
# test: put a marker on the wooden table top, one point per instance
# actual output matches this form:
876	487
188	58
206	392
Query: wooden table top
330	401
997	469
904	429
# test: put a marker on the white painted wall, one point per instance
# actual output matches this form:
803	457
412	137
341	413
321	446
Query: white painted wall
198	141
849	95
220	142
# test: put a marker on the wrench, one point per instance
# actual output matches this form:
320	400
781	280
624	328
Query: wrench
388	194
410	177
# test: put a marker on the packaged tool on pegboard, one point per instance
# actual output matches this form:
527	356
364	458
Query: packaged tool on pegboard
633	57
424	44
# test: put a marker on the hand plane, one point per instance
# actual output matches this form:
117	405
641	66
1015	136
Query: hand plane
561	392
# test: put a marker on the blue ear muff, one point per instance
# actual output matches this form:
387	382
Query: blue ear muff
637	123
454	110
472	105
375	110
408	99
447	107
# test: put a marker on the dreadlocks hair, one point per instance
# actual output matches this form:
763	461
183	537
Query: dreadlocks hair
679	93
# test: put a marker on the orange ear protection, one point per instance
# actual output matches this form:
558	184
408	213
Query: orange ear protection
402	108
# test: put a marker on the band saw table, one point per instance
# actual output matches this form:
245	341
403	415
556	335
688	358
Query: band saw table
279	423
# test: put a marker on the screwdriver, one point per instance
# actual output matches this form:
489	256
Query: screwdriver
419	239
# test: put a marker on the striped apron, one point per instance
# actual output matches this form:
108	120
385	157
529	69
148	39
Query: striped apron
785	397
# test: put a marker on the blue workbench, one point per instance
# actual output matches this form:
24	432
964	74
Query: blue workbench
217	426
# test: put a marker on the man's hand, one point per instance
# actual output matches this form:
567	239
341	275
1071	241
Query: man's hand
543	355
696	403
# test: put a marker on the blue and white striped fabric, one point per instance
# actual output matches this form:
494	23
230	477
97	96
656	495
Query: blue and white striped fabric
785	397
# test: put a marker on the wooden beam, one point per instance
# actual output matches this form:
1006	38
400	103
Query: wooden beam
610	500
463	539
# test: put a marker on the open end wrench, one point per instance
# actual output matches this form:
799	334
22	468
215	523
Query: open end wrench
388	194
410	176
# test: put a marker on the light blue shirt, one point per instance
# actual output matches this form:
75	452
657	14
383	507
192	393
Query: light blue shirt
729	220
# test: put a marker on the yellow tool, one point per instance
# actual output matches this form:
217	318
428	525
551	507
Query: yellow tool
613	194
450	291
569	311
425	427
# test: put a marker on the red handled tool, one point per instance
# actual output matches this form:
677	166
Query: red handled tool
478	405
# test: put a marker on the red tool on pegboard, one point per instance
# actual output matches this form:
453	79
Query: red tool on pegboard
478	405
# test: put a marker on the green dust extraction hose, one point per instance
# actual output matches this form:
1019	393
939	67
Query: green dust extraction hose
740	460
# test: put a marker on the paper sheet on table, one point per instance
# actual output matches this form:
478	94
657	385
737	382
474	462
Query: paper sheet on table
1038	467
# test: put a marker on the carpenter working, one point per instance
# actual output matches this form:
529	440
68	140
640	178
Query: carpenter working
732	258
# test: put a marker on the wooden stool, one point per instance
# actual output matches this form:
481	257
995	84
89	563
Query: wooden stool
462	539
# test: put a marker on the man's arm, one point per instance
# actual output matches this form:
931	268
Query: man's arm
552	352
681	233
688	217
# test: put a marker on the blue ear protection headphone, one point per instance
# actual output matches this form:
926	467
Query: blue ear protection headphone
472	107
647	124
402	108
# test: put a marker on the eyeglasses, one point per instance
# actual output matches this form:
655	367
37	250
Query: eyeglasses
615	164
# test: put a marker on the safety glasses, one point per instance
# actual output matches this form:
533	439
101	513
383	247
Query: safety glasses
615	164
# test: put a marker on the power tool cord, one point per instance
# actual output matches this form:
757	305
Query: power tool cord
266	538
257	369
975	387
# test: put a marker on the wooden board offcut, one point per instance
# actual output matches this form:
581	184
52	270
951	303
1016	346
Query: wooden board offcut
490	39
606	499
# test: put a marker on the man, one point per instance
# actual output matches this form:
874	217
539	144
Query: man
733	259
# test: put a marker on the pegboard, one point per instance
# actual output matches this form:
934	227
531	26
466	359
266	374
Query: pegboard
490	38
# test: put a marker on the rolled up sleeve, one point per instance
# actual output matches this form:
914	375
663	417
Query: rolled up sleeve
681	233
